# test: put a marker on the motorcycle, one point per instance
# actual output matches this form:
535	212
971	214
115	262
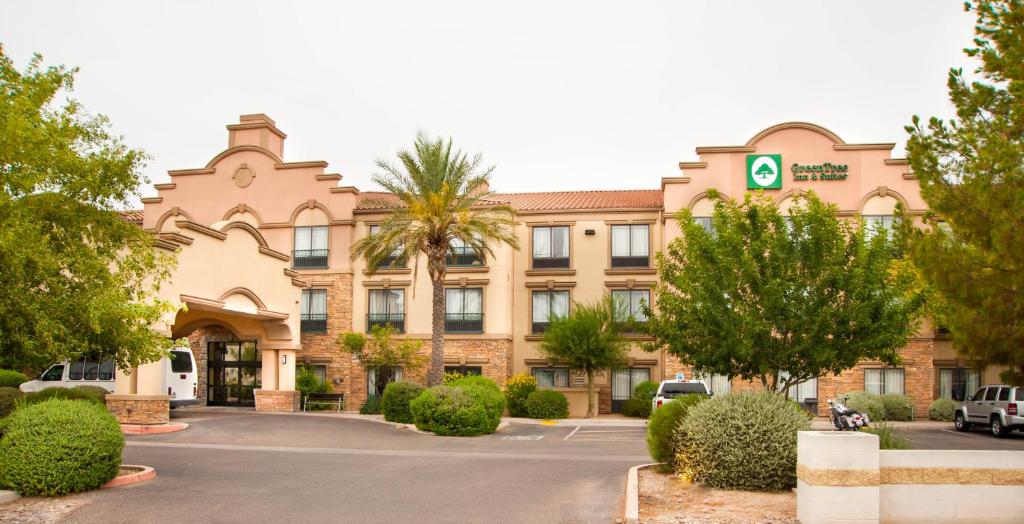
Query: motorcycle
845	419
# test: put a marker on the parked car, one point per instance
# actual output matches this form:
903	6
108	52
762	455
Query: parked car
996	406
670	389
179	376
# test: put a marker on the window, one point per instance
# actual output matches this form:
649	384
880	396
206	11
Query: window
378	379
310	247
551	377
623	382
878	224
548	304
181	362
395	259
551	247
881	381
54	373
716	384
461	255
386	307
463	310
705	222
630	245
1004	394
956	383
319	371
313	317
91	370
979	395
991	393
628	304
465	371
107	370
804	390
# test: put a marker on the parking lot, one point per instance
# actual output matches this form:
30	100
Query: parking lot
949	438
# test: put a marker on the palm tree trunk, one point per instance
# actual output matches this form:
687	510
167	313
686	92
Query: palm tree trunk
591	412
436	372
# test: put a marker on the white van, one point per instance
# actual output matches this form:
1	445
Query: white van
180	377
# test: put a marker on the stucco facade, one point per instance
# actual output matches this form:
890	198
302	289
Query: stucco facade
241	226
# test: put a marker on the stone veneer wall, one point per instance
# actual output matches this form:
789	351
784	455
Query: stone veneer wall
199	341
320	348
140	409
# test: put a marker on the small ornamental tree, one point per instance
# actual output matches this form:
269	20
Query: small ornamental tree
778	299
588	339
384	355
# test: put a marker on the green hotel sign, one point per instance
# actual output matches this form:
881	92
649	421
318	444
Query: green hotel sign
826	171
764	171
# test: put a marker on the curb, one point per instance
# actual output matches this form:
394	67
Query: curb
632	513
8	496
145	473
156	429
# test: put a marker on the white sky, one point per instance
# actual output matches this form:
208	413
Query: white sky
559	95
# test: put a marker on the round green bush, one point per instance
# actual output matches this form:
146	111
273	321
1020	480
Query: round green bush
897	407
11	379
636	407
942	409
646	390
743	441
475	380
491	399
868	403
59	447
370	407
8	397
77	393
517	389
453	411
662	426
394	403
547	404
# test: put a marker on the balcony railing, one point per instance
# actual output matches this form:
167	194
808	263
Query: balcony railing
313	323
536	328
309	258
631	262
631	326
551	263
464	322
396	320
393	262
463	257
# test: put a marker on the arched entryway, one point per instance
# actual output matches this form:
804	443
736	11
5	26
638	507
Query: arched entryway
230	366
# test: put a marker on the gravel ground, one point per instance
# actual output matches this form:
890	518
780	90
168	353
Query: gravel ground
665	498
38	510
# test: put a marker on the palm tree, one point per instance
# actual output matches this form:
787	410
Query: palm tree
437	196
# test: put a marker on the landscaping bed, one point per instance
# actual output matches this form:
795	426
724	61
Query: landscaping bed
665	498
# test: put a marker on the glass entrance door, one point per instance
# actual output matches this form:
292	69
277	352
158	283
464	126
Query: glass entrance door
623	382
234	372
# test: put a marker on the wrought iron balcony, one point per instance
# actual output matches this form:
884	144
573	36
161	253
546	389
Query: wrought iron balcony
536	328
464	322
395	320
313	323
309	258
463	257
550	263
623	262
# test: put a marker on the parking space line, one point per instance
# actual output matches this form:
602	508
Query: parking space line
572	433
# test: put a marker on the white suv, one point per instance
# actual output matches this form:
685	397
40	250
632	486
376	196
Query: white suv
670	389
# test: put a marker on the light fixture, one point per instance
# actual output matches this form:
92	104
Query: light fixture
284	359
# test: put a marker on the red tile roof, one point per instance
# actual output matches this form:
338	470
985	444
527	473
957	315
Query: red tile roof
547	201
132	215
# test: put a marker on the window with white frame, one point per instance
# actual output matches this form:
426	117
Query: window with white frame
310	247
629	304
464	310
548	304
631	245
884	380
550	247
313	314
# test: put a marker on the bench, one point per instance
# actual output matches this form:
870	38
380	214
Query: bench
325	399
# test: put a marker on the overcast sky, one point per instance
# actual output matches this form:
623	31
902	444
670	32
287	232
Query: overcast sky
559	95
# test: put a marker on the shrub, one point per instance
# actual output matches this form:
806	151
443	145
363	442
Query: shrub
636	407
887	438
476	380
97	392
661	428
547	404
11	379
491	399
453	411
62	393
517	389
942	410
370	407
59	447
869	403
897	407
307	382
395	402
450	376
741	441
646	390
8	397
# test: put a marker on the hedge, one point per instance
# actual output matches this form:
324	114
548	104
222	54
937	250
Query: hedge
868	403
942	409
8	397
453	411
11	379
76	393
395	401
517	389
547	404
475	380
59	447
662	426
897	407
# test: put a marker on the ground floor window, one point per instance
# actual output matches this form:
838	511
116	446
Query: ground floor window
319	371
464	370
551	377
623	382
716	384
378	379
804	390
881	381
957	383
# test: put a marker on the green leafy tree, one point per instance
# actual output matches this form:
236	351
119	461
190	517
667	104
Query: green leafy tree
971	171
439	195
75	278
780	299
384	355
588	339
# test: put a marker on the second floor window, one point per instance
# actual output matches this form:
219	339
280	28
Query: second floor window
314	311
462	255
876	224
628	304
387	306
463	310
631	245
310	247
551	247
548	305
705	222
395	259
